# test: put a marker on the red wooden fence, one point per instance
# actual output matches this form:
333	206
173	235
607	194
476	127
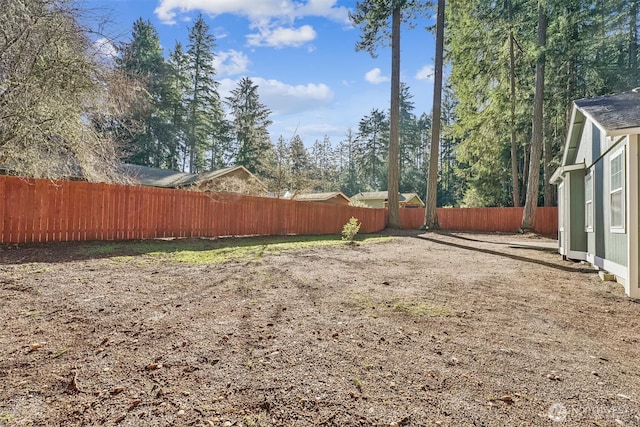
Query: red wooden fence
484	219
33	210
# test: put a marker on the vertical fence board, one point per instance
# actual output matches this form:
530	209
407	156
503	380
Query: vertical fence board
28	215
40	207
3	209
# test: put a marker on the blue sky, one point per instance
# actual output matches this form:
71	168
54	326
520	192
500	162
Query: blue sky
300	53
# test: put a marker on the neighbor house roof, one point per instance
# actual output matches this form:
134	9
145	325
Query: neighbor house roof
232	171
383	195
411	196
374	195
319	197
155	177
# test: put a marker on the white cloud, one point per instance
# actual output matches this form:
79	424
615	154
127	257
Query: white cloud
255	10
425	73
231	63
280	37
284	99
104	50
375	76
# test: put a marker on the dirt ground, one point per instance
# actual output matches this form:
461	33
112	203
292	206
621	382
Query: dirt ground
419	330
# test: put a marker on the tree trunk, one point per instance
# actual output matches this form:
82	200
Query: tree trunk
548	187
514	146
431	214
394	128
531	203
633	42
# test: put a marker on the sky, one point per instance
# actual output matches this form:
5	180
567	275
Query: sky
300	53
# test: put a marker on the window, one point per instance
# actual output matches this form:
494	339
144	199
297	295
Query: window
616	191
588	201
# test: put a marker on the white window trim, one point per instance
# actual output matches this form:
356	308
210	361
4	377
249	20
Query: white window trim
621	229
588	177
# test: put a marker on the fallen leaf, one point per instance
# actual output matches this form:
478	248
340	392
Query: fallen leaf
133	404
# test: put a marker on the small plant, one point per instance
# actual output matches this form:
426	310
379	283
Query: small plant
350	230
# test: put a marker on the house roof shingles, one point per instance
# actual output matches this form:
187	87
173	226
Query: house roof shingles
154	177
614	112
376	195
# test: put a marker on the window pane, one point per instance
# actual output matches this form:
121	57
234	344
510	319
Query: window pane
616	209
616	173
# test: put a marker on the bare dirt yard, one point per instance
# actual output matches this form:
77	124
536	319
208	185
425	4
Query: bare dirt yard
408	330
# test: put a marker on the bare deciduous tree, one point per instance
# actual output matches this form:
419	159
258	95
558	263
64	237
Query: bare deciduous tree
52	86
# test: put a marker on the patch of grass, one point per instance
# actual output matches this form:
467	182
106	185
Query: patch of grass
420	309
5	416
360	299
206	251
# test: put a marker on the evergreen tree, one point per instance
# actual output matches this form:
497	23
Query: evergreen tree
347	165
177	106
373	16
300	165
204	112
450	187
412	149
142	59
431	215
282	173
371	154
325	166
529	213
250	125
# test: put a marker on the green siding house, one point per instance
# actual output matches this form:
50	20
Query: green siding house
598	187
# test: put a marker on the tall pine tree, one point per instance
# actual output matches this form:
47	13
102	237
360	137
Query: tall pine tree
204	111
250	126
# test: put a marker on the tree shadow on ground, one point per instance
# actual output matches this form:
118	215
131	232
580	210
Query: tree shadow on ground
53	252
515	246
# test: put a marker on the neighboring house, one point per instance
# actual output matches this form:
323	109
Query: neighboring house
155	177
236	179
380	199
335	198
598	187
411	200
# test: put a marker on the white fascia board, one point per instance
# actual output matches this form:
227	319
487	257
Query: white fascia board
572	124
621	132
556	177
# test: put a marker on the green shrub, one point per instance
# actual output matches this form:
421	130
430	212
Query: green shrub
350	229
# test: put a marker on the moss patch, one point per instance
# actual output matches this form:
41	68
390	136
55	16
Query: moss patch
208	251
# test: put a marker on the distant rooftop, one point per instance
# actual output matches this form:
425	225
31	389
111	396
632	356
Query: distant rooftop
309	197
378	195
154	177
